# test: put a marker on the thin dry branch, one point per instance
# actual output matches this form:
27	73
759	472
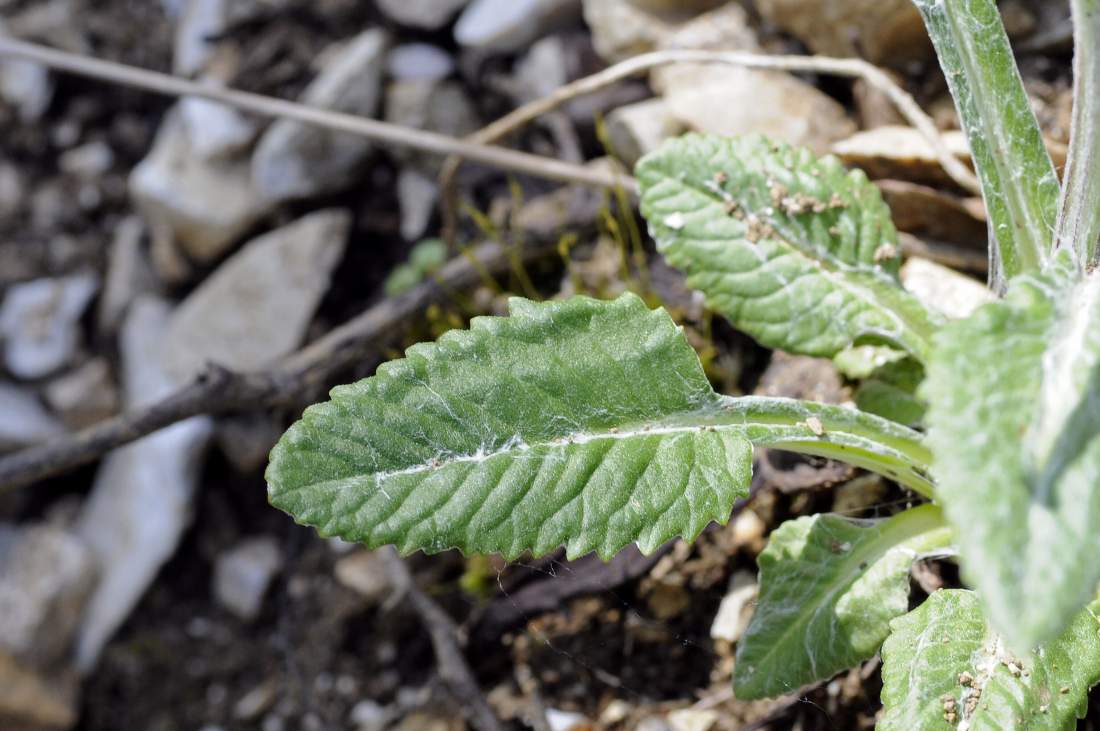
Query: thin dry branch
442	630
220	391
847	67
373	129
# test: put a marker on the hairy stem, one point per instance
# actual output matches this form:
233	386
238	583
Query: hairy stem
1078	228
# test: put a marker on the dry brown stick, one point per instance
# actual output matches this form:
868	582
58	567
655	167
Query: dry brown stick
220	391
847	67
372	129
443	632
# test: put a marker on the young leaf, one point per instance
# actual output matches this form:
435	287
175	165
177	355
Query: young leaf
829	587
1018	179
944	666
582	423
793	250
1079	209
1015	429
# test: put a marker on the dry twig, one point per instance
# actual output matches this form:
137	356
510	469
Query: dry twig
441	628
847	67
373	129
220	391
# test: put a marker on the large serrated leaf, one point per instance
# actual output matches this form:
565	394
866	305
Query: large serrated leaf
583	423
1018	180
943	666
792	249
829	587
1015	428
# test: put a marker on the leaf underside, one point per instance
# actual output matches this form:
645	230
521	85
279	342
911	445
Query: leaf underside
1014	423
794	250
1017	176
943	666
579	423
829	587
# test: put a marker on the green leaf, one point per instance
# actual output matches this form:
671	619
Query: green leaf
829	587
793	250
1079	209
943	666
888	381
1018	179
428	255
583	423
1015	429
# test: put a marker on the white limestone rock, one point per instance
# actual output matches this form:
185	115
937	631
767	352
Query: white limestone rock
257	305
201	205
141	500
243	574
505	26
295	160
424	14
40	323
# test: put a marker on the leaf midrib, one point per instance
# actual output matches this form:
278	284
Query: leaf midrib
836	270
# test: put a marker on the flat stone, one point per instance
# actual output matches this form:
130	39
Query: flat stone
257	305
425	14
735	611
216	131
40	323
85	395
726	28
621	29
56	23
734	101
25	85
944	290
243	573
364	572
46	574
295	160
23	421
90	161
505	26
692	719
933	214
900	152
544	68
201	205
436	106
566	720
367	715
882	31
129	274
638	129
141	499
200	21
418	194
421	61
